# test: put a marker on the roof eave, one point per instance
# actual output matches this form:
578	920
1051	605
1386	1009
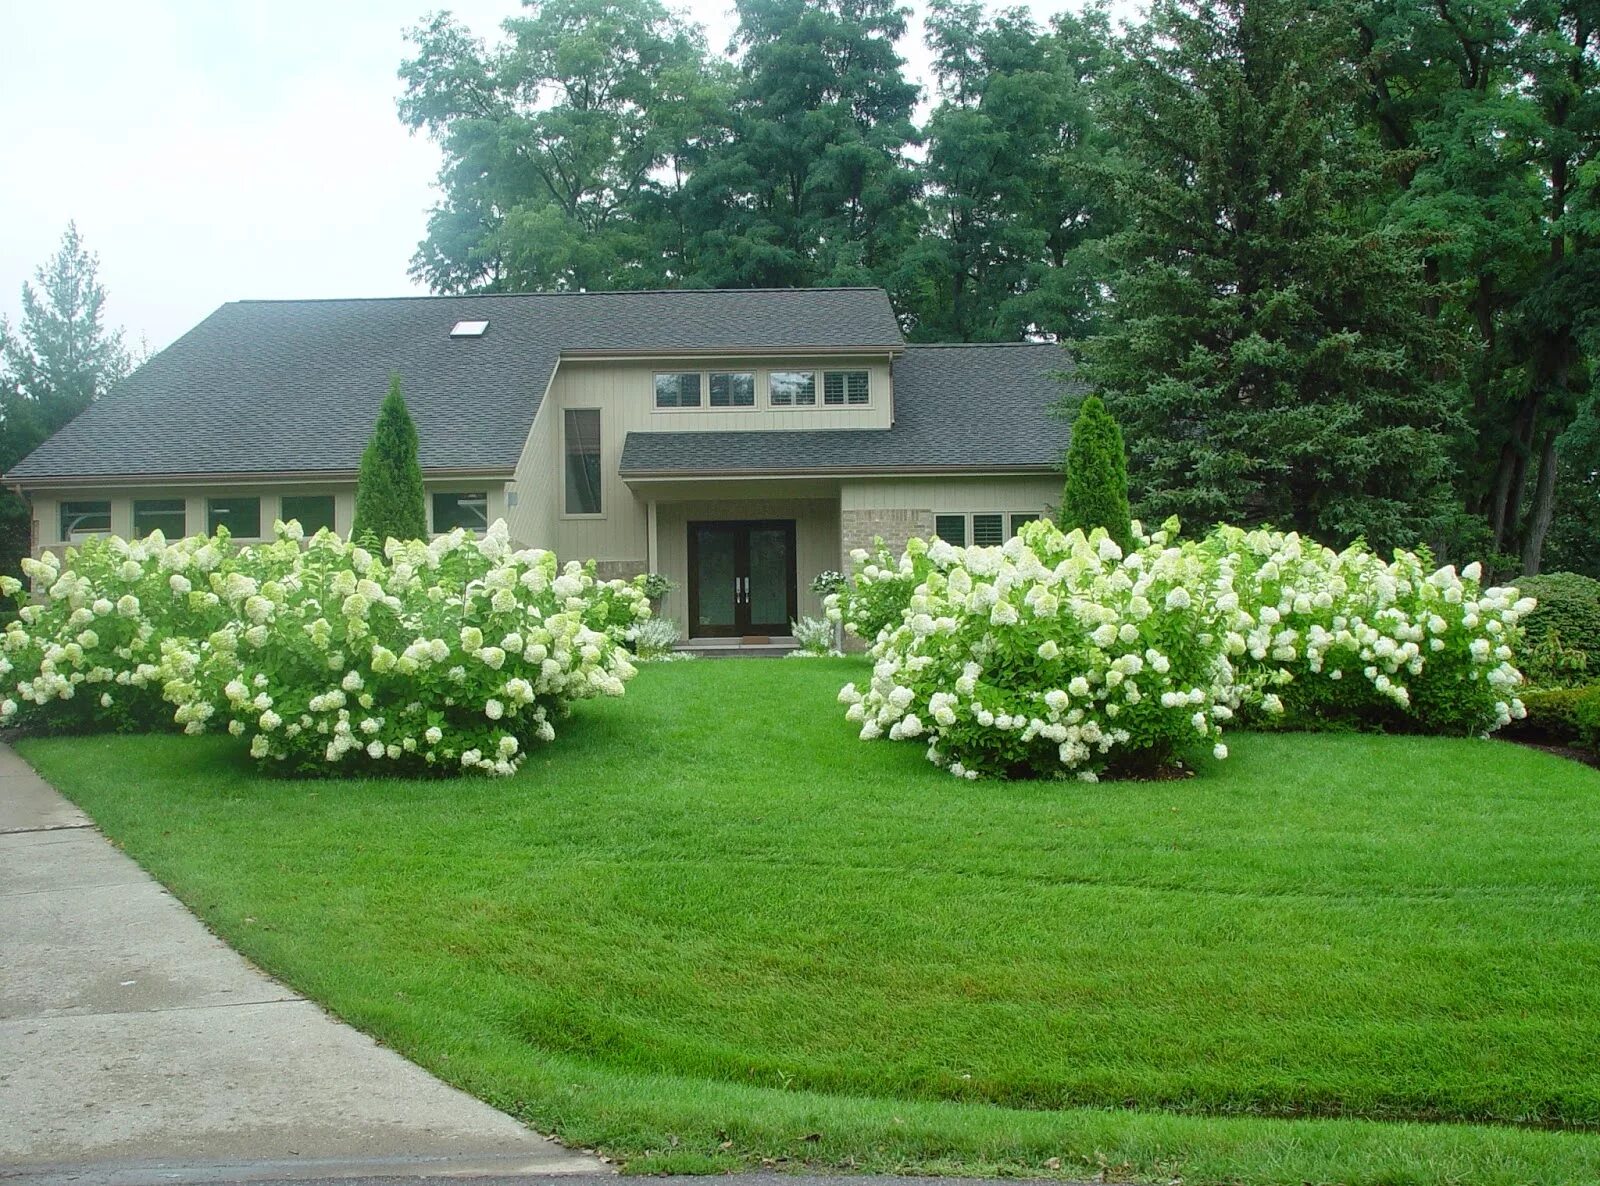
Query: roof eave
214	477
836	471
892	350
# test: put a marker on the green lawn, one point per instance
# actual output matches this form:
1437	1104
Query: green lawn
707	926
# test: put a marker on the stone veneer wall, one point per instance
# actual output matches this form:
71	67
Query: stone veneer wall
859	529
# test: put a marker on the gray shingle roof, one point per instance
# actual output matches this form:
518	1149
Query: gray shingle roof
973	407
294	386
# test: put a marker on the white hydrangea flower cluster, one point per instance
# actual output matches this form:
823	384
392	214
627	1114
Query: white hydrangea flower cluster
452	655
1348	638
1059	654
1051	654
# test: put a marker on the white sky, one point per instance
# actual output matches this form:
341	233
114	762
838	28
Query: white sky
213	150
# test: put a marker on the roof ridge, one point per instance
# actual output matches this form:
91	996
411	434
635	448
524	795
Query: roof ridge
464	296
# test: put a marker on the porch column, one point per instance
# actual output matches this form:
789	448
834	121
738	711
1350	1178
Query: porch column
651	552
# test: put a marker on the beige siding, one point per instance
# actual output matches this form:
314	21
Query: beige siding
625	394
538	482
816	543
1014	495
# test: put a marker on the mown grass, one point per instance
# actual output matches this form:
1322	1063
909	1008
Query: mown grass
708	927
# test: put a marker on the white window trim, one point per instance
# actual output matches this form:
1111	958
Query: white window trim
847	405
967	518
816	389
705	405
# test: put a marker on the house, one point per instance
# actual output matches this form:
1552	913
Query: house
739	442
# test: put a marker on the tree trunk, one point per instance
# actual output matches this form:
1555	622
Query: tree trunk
1543	506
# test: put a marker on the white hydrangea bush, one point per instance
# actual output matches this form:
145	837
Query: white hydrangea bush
90	652
1058	654
1347	639
1050	654
450	656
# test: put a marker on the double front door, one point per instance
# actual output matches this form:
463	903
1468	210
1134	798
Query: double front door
741	577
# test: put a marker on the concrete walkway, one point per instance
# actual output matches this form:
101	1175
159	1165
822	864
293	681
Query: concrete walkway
137	1047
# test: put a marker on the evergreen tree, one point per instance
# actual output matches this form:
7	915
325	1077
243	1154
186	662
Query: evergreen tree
1270	353
1096	491
389	499
58	361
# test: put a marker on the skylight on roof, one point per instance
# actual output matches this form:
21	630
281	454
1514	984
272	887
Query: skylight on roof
469	329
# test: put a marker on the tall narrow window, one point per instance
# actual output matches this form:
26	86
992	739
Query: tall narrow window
241	516
583	461
792	389
844	387
453	510
312	511
951	528
678	389
169	516
733	389
85	517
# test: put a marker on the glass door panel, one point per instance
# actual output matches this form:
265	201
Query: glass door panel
714	562
769	586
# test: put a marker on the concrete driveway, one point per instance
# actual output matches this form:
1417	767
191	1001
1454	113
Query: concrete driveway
137	1047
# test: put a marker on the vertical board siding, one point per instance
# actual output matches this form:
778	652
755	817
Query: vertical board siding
949	495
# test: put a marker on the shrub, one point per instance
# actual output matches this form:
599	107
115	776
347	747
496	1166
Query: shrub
875	596
1552	715
655	638
814	636
1564	629
1061	653
1096	489
452	655
1054	653
1345	640
390	503
655	586
1586	715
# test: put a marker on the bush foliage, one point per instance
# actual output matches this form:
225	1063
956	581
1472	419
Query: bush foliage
449	656
1564	631
1062	653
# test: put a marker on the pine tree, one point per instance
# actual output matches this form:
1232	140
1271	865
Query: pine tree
1096	491
1270	353
389	499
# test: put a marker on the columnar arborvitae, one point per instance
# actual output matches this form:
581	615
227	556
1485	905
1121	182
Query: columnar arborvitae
1096	493
389	497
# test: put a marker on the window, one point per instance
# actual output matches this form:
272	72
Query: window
678	389
312	511
470	510
241	516
82	518
844	387
792	389
469	329
169	516
733	389
1018	520
988	531
951	528
583	461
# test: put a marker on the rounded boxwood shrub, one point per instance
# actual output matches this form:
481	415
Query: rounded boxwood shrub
1563	633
